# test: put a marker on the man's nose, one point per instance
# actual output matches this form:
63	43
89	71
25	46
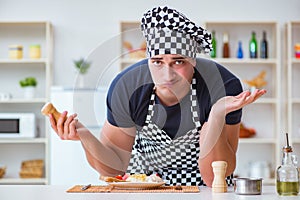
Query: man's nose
169	72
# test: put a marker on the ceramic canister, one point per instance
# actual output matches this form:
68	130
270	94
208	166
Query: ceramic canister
15	51
35	51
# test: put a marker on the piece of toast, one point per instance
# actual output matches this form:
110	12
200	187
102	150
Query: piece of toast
111	179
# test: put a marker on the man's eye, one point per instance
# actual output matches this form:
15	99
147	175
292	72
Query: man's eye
157	63
179	62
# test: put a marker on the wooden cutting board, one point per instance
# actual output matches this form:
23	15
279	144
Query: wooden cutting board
161	189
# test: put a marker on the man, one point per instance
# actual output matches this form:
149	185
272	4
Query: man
171	114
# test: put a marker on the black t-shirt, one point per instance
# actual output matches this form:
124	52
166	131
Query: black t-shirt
129	97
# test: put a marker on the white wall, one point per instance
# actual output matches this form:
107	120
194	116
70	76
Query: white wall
81	26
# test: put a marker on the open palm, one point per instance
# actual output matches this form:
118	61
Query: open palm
232	103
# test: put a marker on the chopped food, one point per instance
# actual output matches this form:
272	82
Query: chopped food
153	178
137	178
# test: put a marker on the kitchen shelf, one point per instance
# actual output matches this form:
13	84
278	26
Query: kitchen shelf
21	100
20	181
15	150
266	101
130	32
295	60
295	100
271	61
265	112
24	140
293	82
22	61
257	141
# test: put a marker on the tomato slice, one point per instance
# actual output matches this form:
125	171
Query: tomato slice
119	177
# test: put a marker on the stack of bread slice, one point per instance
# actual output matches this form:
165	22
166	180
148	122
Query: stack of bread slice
32	169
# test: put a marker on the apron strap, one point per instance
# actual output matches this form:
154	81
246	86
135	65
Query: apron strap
194	106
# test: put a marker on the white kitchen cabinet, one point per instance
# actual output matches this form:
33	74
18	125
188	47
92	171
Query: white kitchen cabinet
293	82
15	150
265	114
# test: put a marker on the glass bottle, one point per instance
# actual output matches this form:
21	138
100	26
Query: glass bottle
253	46
287	174
226	53
213	53
264	46
240	53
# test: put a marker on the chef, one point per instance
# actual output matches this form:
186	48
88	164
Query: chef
171	114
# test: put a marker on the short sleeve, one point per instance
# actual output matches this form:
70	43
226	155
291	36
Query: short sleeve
121	91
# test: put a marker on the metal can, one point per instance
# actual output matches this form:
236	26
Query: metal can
248	186
15	51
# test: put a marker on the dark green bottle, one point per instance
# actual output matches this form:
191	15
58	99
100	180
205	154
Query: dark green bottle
253	46
213	53
264	46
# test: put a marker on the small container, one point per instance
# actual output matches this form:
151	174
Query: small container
15	51
297	50
248	186
35	51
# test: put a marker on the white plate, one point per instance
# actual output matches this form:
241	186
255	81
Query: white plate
136	185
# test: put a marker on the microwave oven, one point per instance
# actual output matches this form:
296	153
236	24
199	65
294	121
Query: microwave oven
17	125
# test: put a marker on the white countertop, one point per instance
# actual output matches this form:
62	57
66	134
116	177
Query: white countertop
55	192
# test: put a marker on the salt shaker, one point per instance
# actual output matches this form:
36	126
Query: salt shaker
219	184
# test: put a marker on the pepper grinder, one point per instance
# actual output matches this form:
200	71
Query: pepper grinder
48	108
219	184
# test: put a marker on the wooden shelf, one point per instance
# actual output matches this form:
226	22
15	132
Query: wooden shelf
35	100
295	100
18	181
26	33
246	61
266	101
23	140
22	61
295	60
257	141
293	77
296	140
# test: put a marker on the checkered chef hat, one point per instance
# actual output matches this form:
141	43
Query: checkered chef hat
169	32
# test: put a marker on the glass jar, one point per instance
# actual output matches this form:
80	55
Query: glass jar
35	51
287	175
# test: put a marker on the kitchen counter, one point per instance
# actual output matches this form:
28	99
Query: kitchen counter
51	192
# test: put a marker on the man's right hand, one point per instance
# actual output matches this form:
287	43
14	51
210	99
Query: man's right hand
66	127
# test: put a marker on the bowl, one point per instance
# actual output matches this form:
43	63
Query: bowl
248	186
